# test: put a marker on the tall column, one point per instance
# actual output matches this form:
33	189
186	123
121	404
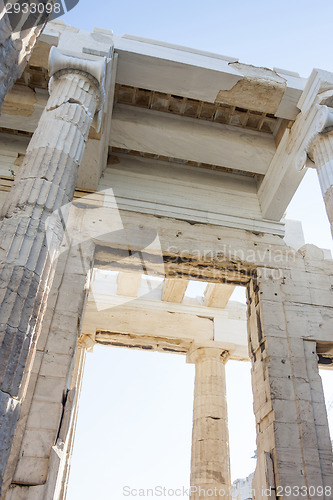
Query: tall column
322	152
46	182
210	461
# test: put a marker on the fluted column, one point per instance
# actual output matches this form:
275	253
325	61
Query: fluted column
322	152
46	182
210	461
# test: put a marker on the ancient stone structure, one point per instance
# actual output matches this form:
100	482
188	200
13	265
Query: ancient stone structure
129	168
242	488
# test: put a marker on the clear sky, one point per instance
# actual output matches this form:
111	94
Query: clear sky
134	426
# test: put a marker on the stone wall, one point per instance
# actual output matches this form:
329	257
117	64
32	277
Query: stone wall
288	316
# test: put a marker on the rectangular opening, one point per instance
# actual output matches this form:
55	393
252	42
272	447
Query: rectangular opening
134	426
135	419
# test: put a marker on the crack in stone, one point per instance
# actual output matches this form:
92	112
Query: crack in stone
9	394
69	101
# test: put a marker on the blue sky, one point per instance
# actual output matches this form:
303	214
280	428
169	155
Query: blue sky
294	35
134	426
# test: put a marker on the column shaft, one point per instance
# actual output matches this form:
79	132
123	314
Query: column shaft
46	182
322	152
210	462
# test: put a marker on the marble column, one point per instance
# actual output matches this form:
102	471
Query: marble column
45	183
322	153
210	461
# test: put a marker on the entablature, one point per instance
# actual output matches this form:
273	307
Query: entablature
180	108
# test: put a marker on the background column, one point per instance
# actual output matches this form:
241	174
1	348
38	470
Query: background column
210	462
322	152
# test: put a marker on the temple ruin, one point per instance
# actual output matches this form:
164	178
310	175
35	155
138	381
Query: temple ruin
128	168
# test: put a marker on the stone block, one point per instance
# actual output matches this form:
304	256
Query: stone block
55	365
60	342
281	388
326	459
38	443
266	421
317	392
277	347
287	435
270	291
284	410
291	475
70	299
209	429
309	434
262	411
299	368
31	471
275	367
320	413
328	482
64	322
44	415
309	320
302	389
305	408
50	389
215	410
323	438
26	493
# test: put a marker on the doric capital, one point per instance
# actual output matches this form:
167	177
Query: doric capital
58	61
201	353
316	116
318	120
94	71
318	88
87	342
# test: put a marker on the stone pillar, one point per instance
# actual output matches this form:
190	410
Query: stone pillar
285	316
210	462
322	152
46	182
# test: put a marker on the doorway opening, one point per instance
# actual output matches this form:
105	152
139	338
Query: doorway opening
135	420
134	425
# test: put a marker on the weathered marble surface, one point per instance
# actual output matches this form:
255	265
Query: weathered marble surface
46	182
